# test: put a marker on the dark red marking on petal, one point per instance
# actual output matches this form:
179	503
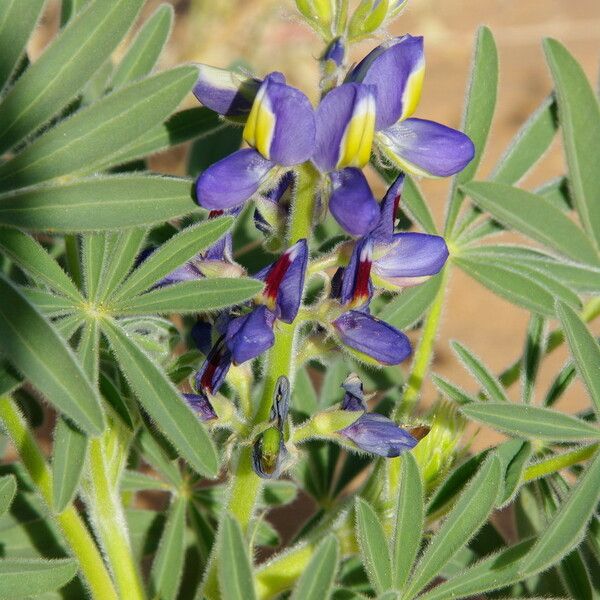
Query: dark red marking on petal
275	277
396	208
215	213
212	363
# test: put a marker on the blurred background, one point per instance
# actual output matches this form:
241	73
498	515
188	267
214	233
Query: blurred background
268	35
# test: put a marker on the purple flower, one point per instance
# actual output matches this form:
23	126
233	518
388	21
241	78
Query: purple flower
211	374
371	339
372	432
281	132
390	260
201	406
396	71
230	93
251	334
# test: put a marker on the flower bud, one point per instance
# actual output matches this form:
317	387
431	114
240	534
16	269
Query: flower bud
319	13
367	18
436	453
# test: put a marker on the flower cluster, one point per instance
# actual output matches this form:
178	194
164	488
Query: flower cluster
366	118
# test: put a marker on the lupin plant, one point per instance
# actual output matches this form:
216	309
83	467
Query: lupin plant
233	341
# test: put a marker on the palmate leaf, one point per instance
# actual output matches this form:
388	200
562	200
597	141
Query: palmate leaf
17	21
409	521
479	111
93	250
172	254
579	114
191	297
466	518
317	580
35	348
585	351
167	568
373	546
31	256
529	145
482	374
531	422
56	77
234	566
163	402
142	55
98	131
533	216
409	306
510	284
98	203
20	578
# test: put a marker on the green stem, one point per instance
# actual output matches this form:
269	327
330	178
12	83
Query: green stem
559	462
71	525
303	207
109	519
424	352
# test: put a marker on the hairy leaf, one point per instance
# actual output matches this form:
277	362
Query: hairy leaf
317	580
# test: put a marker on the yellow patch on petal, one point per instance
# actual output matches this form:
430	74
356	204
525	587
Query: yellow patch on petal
412	92
260	125
356	145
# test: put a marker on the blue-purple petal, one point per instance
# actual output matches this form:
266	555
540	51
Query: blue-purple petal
201	406
410	257
250	335
227	92
201	334
233	180
427	148
379	435
354	398
389	208
356	282
211	374
374	338
389	68
352	203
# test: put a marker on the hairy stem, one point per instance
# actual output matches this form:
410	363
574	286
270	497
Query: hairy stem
559	462
110	522
424	352
82	545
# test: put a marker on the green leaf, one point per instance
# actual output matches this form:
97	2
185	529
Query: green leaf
492	573
514	456
583	278
181	127
98	131
532	355
535	217
17	21
529	145
316	582
163	402
69	8
560	384
278	493
125	246
414	202
373	546
167	568
466	518
482	374
92	258
8	489
304	396
451	391
233	565
509	284
48	303
483	89
409	521
98	203
479	111
156	456
531	422
68	459
172	254
34	347
63	69
135	481
30	256
142	55
575	576
580	125
264	534
585	351
410	305
191	296
568	525
20	578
